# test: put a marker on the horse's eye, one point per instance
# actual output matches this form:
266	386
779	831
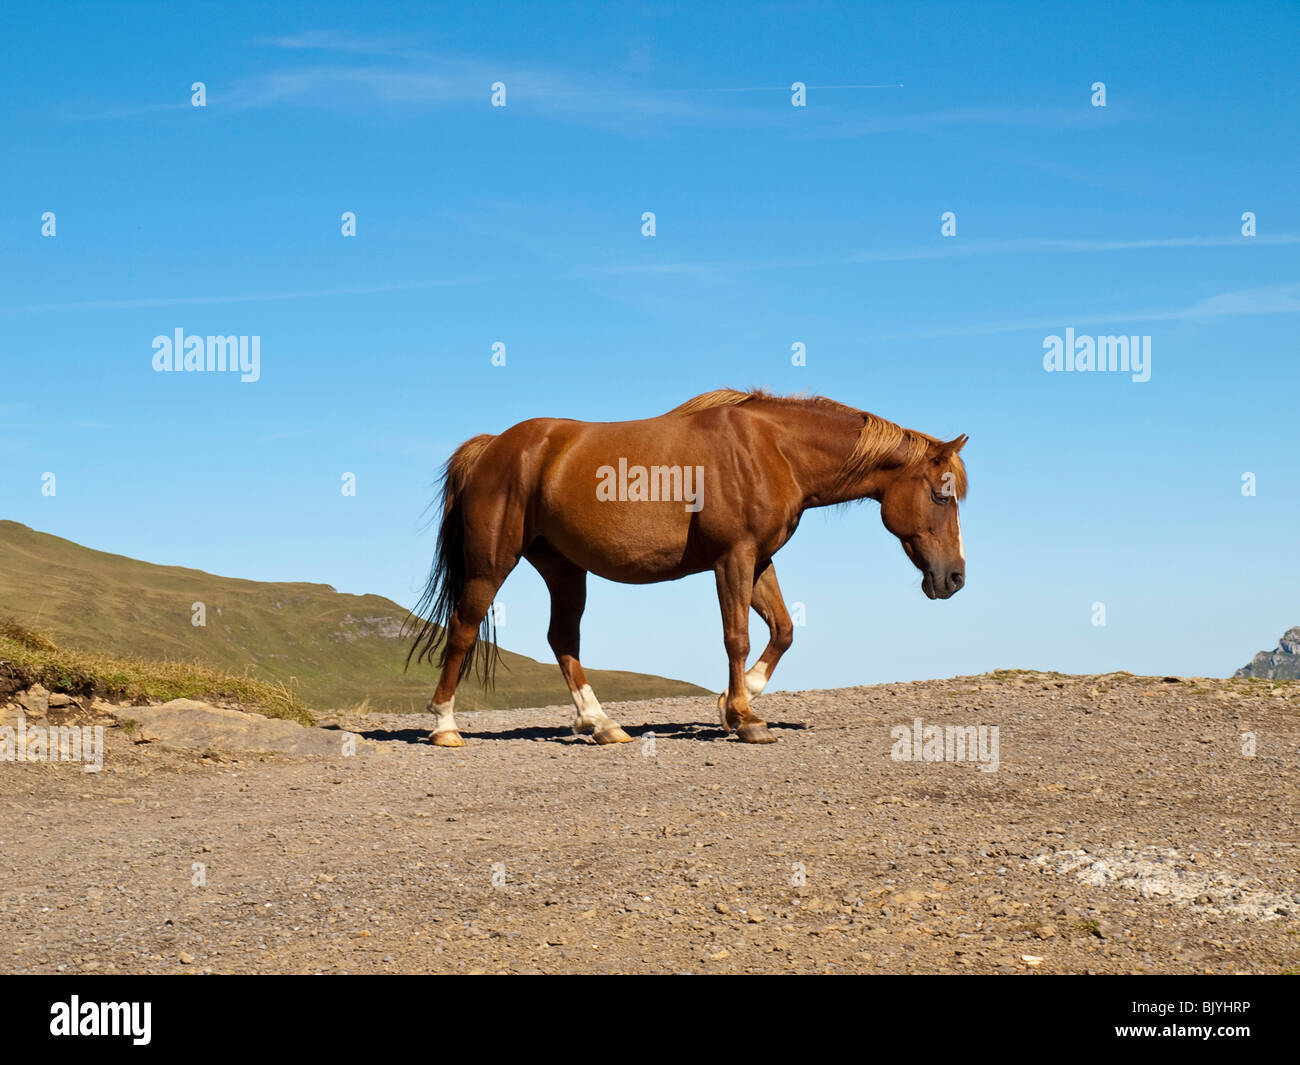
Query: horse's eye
939	498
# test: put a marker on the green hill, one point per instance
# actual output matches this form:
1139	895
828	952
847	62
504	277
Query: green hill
334	650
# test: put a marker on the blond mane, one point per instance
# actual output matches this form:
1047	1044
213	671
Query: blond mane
877	440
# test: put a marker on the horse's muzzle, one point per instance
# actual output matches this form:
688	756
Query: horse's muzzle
945	586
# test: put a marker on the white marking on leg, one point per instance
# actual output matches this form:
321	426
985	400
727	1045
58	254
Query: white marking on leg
446	720
756	679
589	716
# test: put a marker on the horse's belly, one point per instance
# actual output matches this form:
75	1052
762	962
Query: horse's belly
631	546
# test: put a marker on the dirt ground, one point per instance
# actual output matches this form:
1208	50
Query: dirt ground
1126	829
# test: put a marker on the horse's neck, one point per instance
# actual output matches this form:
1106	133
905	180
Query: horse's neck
827	438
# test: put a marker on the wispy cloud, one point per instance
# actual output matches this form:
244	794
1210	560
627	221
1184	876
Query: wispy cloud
941	249
706	270
356	73
350	72
1027	118
343	41
145	302
1278	299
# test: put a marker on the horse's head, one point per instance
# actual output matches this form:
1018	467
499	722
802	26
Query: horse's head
919	506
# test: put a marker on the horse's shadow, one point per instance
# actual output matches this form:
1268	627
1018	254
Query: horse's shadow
691	730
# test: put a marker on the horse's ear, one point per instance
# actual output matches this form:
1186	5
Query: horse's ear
951	448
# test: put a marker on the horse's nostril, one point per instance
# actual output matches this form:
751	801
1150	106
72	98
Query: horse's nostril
956	579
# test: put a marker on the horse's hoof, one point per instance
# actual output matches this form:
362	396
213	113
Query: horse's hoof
613	734
755	732
448	739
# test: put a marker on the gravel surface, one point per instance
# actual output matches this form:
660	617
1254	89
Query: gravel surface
1125	829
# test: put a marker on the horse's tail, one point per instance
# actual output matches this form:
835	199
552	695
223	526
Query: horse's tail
432	615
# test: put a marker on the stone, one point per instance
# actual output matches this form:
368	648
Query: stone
1282	663
907	898
191	725
35	701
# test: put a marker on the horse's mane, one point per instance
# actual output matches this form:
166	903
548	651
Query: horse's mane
877	439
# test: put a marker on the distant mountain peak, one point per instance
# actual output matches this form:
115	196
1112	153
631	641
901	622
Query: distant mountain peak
1282	663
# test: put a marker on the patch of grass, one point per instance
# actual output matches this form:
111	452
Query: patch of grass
32	658
20	634
1087	925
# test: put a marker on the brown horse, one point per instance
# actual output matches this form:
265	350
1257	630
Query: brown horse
718	483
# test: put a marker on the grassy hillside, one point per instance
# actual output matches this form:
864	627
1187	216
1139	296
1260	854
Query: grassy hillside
28	658
332	650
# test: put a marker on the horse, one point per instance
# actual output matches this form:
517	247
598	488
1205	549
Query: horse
718	483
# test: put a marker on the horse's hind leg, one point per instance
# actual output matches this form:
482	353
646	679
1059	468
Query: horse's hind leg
491	551
769	604
567	584
736	584
462	632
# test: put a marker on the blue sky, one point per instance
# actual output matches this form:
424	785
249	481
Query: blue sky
774	225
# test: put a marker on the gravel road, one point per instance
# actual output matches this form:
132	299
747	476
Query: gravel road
1127	827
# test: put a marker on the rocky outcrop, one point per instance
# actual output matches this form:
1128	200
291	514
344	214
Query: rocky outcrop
37	705
1282	663
184	724
197	726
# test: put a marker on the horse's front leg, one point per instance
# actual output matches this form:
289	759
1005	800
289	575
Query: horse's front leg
770	606
735	578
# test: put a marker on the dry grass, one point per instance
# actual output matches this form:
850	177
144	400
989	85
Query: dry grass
33	658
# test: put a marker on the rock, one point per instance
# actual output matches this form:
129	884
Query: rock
192	725
65	710
1282	663
35	701
907	898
